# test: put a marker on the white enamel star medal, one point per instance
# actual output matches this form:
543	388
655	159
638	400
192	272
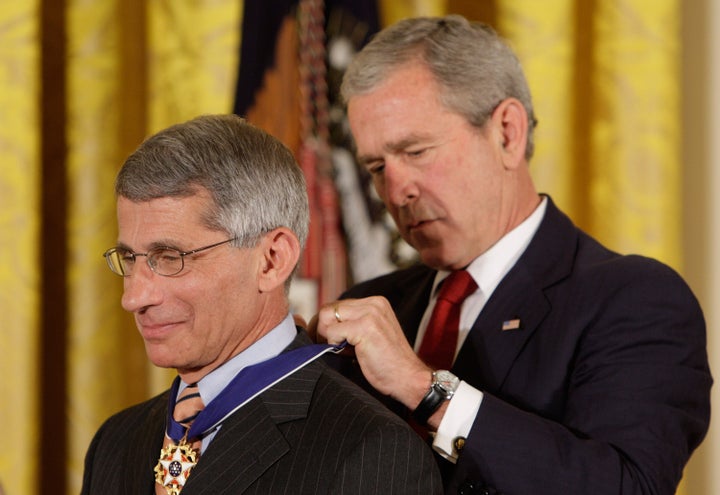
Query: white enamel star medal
174	466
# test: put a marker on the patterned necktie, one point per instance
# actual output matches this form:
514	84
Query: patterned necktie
176	467
188	405
441	336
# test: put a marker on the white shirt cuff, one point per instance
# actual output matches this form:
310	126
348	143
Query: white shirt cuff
457	421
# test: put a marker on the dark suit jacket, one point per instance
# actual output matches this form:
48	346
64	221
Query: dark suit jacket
314	432
603	390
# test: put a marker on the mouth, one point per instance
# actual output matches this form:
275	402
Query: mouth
417	218
418	224
156	330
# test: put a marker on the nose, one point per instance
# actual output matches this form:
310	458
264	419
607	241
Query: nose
141	289
400	184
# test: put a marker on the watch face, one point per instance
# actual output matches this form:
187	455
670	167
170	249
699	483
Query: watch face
446	381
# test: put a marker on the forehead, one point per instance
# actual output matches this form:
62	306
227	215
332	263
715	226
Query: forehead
407	86
404	109
143	223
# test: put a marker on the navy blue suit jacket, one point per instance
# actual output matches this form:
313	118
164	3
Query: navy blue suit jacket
604	388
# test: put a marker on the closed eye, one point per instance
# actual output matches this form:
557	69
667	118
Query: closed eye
416	153
375	168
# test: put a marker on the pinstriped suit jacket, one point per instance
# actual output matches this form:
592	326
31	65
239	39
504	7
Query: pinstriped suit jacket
312	433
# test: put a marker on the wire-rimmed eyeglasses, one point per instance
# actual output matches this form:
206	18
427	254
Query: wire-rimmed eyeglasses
163	260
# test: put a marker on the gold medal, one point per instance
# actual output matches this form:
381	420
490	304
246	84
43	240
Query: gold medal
174	466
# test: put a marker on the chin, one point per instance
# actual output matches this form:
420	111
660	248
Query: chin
161	357
434	261
439	260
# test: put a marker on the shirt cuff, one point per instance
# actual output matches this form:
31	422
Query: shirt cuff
457	421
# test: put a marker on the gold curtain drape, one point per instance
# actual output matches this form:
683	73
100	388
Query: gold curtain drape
605	79
179	59
19	244
93	79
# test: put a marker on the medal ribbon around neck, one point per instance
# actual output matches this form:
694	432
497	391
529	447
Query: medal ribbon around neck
248	384
176	461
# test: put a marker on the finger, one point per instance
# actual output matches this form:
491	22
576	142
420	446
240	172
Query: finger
312	330
348	320
336	312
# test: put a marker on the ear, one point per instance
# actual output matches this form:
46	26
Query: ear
280	251
511	120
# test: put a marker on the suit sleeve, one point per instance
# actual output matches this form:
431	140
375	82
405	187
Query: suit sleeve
633	407
389	460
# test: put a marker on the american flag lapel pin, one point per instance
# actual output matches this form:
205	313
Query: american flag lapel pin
513	324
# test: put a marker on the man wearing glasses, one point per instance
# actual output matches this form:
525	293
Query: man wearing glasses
212	217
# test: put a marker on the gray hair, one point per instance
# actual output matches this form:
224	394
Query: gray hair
253	179
475	68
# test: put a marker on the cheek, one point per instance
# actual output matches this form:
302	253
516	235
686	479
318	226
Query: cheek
379	185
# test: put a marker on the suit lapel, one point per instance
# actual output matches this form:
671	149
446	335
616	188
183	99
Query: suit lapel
250	441
246	445
489	351
520	296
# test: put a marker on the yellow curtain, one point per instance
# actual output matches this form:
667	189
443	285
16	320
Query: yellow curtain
101	344
133	68
391	11
19	244
605	78
545	41
606	81
193	59
635	137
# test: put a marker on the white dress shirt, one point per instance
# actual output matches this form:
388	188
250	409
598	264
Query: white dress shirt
487	270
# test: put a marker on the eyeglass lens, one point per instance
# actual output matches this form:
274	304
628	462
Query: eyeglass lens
163	261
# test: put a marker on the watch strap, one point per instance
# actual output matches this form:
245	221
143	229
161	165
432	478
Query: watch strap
428	405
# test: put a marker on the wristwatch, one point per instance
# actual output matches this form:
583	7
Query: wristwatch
443	387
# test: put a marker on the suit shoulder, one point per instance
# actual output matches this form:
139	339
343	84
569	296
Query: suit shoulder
339	393
130	418
122	442
626	269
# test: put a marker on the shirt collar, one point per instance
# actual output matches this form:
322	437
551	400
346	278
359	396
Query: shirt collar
268	346
489	268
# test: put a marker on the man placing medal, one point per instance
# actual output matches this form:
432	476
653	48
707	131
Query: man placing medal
212	217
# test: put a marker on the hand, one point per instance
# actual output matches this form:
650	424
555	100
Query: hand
388	362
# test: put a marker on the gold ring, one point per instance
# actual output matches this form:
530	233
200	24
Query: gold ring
337	313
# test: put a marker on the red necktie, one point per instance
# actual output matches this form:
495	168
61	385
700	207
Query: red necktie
441	336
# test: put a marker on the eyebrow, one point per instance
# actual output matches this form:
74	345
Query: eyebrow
153	245
400	145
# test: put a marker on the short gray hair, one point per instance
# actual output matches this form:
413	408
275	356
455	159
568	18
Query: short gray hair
253	179
475	68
